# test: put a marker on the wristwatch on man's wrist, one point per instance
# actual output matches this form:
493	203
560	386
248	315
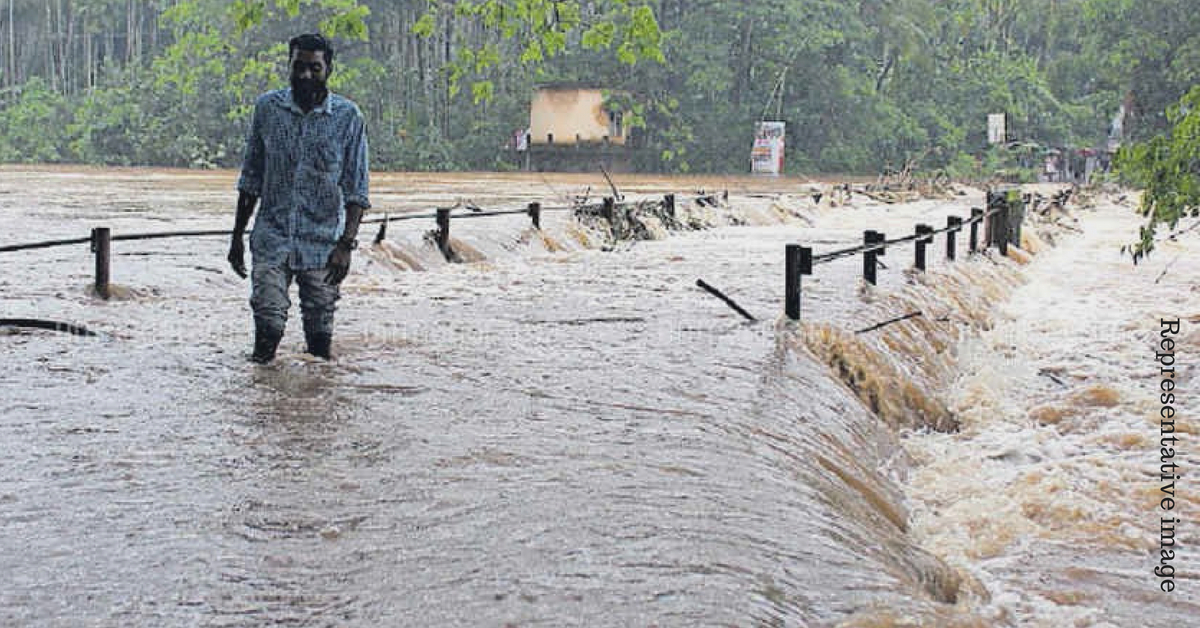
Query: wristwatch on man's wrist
349	245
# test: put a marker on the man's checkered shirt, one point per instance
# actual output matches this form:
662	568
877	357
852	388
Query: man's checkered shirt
304	168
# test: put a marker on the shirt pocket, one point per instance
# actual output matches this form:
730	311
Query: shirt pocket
327	159
322	201
322	170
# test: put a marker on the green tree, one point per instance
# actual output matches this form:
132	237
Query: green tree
31	129
1167	167
443	83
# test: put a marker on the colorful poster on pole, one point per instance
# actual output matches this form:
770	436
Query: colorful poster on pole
767	155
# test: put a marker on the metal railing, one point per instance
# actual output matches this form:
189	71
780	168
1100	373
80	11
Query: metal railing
101	238
1001	223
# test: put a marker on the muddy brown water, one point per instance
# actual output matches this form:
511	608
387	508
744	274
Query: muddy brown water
566	431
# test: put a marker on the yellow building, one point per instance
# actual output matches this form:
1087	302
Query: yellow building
572	114
570	130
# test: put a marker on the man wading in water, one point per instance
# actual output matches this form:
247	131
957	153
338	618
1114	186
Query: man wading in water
306	158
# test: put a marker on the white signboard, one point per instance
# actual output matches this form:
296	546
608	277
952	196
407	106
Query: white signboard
997	128
767	155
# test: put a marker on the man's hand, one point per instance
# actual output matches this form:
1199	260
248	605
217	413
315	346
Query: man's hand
237	248
338	264
237	255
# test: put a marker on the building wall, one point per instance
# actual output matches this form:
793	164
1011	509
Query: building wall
570	112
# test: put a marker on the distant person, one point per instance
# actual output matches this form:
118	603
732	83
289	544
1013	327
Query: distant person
306	159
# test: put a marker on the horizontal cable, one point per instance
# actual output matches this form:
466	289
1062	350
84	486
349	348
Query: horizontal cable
479	214
169	234
863	248
497	212
44	245
390	218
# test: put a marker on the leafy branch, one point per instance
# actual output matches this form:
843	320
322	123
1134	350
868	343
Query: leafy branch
1167	167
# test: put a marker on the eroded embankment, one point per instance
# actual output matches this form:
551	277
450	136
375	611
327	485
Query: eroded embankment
901	373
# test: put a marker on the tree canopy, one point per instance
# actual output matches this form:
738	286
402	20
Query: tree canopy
863	84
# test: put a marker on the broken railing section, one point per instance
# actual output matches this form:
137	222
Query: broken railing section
1002	226
636	220
622	219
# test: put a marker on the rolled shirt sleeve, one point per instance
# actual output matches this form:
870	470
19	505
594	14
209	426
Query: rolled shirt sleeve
355	173
254	161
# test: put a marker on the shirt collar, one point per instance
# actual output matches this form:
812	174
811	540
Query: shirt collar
287	102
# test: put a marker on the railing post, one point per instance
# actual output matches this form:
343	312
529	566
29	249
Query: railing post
954	225
791	298
1015	216
923	231
869	257
379	237
443	230
1002	229
799	262
989	222
976	213
101	246
535	214
1001	226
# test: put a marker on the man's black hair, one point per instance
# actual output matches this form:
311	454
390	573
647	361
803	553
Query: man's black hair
312	42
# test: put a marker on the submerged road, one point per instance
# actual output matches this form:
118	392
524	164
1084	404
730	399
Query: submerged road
552	435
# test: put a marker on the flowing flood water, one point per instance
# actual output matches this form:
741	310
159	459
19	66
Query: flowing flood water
563	430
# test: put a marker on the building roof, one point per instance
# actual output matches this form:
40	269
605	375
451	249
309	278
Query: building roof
565	85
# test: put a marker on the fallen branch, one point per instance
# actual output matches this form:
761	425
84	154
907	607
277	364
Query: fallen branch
1047	373
616	195
727	300
1179	232
1166	270
35	323
889	322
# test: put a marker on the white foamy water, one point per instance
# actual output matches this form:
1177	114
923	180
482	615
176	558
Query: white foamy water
1050	493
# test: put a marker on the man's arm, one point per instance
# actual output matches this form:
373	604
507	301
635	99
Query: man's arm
354	214
250	185
354	184
237	246
245	209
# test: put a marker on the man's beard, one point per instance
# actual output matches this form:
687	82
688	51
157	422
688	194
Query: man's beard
308	93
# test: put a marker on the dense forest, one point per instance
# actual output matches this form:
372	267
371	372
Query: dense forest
862	84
